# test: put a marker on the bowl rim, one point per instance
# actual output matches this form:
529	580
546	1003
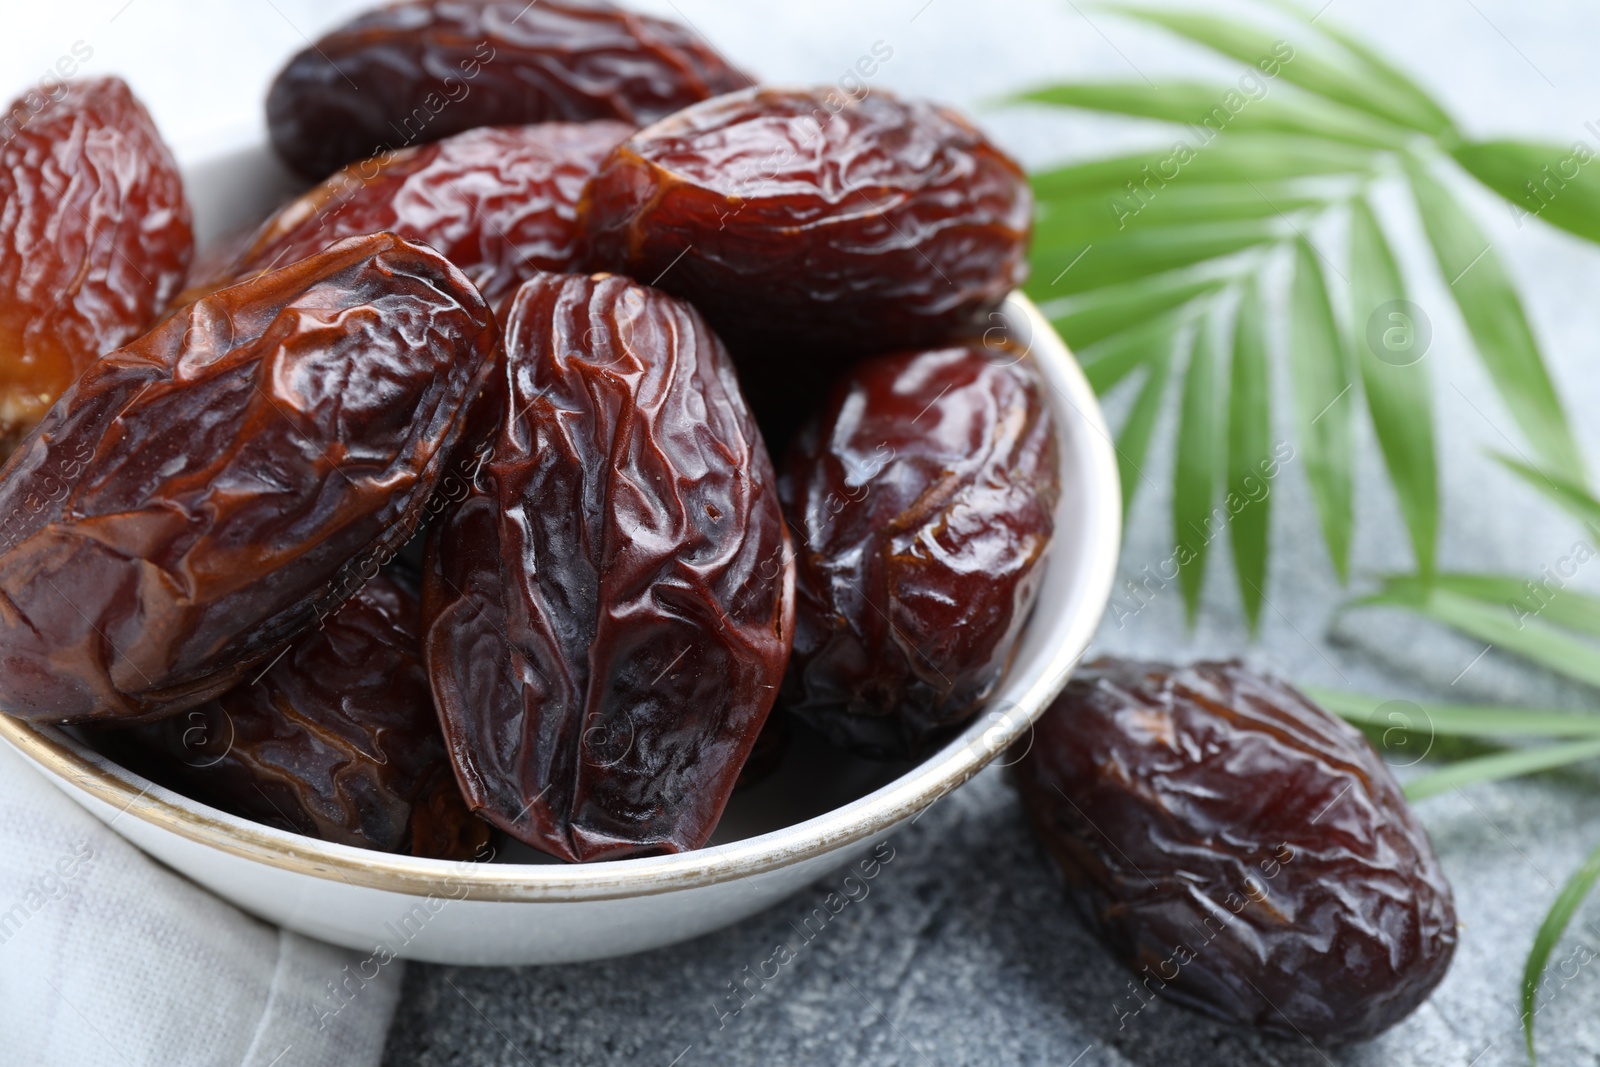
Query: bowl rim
75	766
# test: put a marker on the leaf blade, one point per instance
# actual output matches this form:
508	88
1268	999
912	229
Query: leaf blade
1249	441
1534	177
1516	763
1133	439
1208	110
1144	252
1108	362
1094	215
1572	894
1572	496
1532	640
1314	73
1197	465
1499	326
1320	375
1102	313
1399	395
1561	606
1378	68
1459	720
1236	159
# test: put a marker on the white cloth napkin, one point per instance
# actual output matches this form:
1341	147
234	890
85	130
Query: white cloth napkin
107	957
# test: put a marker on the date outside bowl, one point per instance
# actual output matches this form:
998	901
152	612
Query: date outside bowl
777	837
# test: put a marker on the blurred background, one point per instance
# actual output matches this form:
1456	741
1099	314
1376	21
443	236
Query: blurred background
962	953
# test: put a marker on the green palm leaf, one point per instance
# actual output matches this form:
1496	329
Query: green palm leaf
1378	71
1093	216
1133	440
1549	598
1544	180
1496	623
1235	159
1499	766
1210	109
1352	85
1101	313
1198	466
1249	448
1399	393
1107	363
1555	924
1572	496
1143	252
1457	720
1324	411
1130	250
1499	327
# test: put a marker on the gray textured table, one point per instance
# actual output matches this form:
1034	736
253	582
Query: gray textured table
962	952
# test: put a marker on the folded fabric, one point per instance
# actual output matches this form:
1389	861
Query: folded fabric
107	957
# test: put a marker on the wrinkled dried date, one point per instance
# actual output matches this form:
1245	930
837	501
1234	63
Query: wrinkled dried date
94	240
808	227
338	740
925	497
607	614
414	72
500	203
1241	847
766	753
200	497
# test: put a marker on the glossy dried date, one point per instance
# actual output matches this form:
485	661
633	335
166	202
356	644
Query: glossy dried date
414	72
925	497
1241	849
804	221
94	240
201	497
608	612
338	740
500	203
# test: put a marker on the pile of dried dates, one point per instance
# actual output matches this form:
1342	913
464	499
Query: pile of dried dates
595	412
441	503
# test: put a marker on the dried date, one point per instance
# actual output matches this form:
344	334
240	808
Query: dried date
809	227
414	72
337	740
766	753
94	240
500	203
202	496
608	612
1240	848
924	498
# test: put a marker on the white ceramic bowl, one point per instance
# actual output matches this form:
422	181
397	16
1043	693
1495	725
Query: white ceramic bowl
776	837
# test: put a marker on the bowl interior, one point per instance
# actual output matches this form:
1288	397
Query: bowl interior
817	799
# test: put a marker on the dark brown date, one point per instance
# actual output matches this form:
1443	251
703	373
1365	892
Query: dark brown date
499	202
766	753
414	72
924	499
608	612
337	740
810	227
1242	850
198	499
94	240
